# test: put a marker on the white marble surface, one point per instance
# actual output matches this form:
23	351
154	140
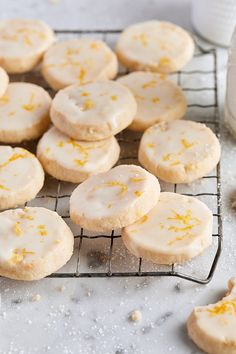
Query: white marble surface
91	316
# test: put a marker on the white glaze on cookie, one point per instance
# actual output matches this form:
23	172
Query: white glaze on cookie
212	327
78	61
22	43
178	228
114	199
21	176
156	46
179	151
32	237
158	99
24	112
93	111
73	160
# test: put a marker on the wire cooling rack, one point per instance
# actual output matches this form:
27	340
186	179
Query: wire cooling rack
104	255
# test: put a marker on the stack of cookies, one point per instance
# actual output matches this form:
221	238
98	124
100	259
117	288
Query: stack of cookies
80	146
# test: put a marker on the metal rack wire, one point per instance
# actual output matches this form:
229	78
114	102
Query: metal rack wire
129	145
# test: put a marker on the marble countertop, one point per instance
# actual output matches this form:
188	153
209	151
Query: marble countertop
92	315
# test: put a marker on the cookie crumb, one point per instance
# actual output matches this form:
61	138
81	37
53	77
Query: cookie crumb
35	297
135	316
62	288
233	204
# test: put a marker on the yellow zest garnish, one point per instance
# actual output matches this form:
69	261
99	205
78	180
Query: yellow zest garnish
12	113
142	38
136	179
123	187
175	163
80	162
186	144
72	51
185	218
164	61
109	206
180	238
27	40
227	306
30	106
88	104
17	229
61	143
167	157
13	158
94	45
4	188
47	150
143	219
113	98
4	99
150	145
42	230
138	193
151	83
25	214
138	97
155	99
82	75
85	94
19	255
178	229
163	46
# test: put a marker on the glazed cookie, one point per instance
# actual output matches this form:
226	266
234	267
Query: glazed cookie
93	111
74	161
155	46
22	44
21	177
114	199
24	112
179	151
78	61
158	99
34	242
4	80
212	327
177	229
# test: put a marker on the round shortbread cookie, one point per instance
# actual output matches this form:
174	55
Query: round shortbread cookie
21	176
93	111
34	242
178	228
4	80
74	161
24	112
212	327
155	46
78	61
158	99
22	43
114	199
180	151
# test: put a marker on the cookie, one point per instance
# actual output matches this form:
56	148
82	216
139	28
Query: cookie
24	112
21	176
179	151
74	161
4	80
177	229
155	46
114	199
158	99
34	242
78	61
93	111
23	43
212	327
